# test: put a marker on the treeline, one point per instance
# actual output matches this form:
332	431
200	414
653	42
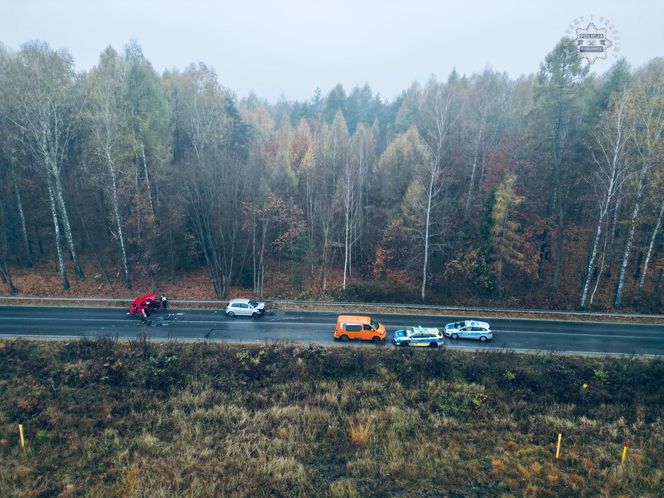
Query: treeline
547	190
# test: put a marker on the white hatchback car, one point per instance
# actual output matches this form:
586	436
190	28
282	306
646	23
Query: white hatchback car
469	329
244	307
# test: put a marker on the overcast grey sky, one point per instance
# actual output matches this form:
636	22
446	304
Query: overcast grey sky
290	47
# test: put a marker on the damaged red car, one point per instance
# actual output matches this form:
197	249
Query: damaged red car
143	307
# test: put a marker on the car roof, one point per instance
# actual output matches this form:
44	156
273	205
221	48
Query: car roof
141	299
473	323
353	319
239	300
419	328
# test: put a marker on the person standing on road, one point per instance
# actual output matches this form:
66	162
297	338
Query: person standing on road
145	311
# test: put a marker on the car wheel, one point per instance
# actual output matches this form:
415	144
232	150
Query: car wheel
254	315
482	338
230	314
344	338
433	345
455	336
375	339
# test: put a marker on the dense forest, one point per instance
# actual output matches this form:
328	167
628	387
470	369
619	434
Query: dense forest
546	190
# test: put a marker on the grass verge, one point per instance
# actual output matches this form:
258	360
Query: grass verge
106	418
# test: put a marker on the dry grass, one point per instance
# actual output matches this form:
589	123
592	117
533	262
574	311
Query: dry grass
360	432
115	419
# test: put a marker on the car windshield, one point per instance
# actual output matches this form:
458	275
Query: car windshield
253	304
458	325
375	324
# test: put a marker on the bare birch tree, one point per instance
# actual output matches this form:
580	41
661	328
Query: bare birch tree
352	186
330	160
648	139
11	149
108	129
651	245
486	101
216	176
609	154
41	100
439	112
4	250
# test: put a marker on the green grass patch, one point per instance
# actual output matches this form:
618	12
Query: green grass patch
107	418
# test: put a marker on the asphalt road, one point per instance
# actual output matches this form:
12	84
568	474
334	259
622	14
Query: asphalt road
317	327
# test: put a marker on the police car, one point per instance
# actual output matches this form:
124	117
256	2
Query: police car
418	336
469	329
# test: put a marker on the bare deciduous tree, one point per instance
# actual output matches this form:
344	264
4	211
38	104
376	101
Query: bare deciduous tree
611	138
439	111
41	99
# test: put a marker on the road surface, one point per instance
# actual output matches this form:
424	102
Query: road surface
317	327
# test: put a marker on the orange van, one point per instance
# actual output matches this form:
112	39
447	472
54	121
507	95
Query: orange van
352	327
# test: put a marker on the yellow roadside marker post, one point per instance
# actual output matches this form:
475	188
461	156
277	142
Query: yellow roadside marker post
560	438
20	433
624	453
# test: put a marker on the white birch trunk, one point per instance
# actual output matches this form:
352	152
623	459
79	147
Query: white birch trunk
323	267
261	263
425	266
118	221
52	169
593	256
611	173
311	213
628	245
147	180
60	199
346	252
600	270
58	246
21	214
441	120
651	246
616	213
104	134
348	199
253	249
4	271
